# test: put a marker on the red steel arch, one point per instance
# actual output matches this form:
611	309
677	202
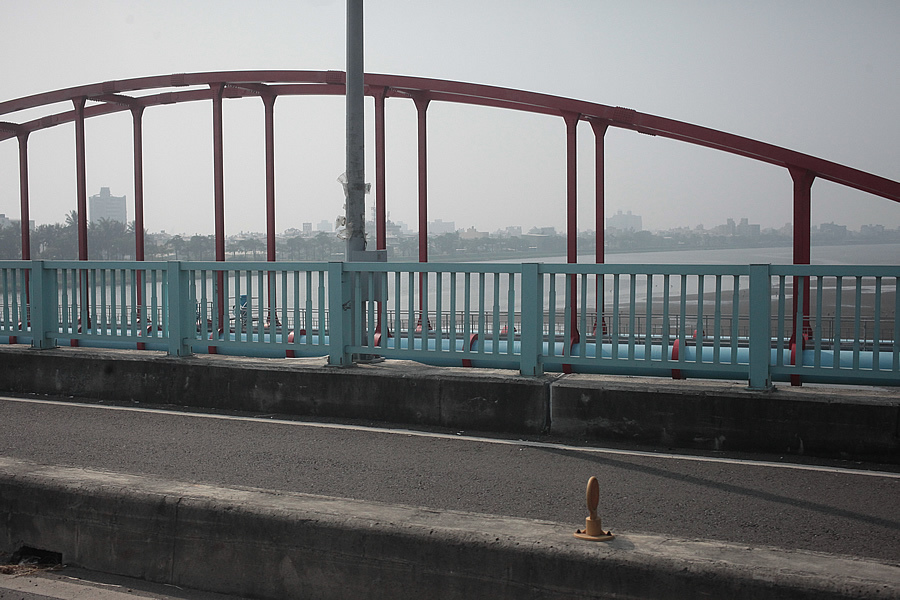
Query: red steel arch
116	96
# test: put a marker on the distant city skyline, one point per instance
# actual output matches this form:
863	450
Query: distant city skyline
627	221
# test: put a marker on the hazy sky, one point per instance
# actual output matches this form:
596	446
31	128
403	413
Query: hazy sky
818	77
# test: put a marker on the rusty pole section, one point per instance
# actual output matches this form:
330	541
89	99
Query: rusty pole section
422	141
803	181
422	135
356	134
571	214
23	197
24	212
137	113
380	212
219	183
80	178
599	128
269	105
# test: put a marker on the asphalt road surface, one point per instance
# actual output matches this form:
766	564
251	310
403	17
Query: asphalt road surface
840	508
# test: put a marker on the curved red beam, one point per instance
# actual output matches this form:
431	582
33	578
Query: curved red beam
245	83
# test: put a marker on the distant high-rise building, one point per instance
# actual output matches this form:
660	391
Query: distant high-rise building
106	206
439	227
625	222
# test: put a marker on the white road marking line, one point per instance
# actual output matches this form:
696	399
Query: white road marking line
471	438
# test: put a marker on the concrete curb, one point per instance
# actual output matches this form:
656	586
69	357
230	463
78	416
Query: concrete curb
269	544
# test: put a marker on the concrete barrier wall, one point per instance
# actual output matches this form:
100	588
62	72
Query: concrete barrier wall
396	391
263	544
849	423
856	423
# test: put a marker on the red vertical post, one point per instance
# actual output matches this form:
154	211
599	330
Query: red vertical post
803	181
421	107
380	212
137	113
23	197
81	189
599	128
218	170
269	104
24	214
571	212
219	198
80	178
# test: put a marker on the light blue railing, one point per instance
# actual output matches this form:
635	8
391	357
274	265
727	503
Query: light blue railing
723	321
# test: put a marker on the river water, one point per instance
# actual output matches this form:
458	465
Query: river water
493	294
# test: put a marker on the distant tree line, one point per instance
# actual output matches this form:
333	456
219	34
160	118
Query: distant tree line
112	240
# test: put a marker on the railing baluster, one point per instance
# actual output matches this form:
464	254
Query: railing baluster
614	332
467	322
632	293
398	316
682	346
551	316
779	358
648	318
666	332
567	317
306	322
411	314
735	316
481	286
495	318
839	288
717	322
876	332
153	321
582	347
438	311
699	333
453	315
322	324
856	323
896	345
510	313
817	334
260	308
104	323
799	319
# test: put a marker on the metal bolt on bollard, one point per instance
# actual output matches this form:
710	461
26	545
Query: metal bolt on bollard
593	530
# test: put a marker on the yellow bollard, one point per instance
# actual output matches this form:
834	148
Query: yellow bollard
593	530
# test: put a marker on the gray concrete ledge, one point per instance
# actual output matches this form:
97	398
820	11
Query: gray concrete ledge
267	544
392	391
849	423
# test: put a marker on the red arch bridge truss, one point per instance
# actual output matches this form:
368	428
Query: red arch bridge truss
135	95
